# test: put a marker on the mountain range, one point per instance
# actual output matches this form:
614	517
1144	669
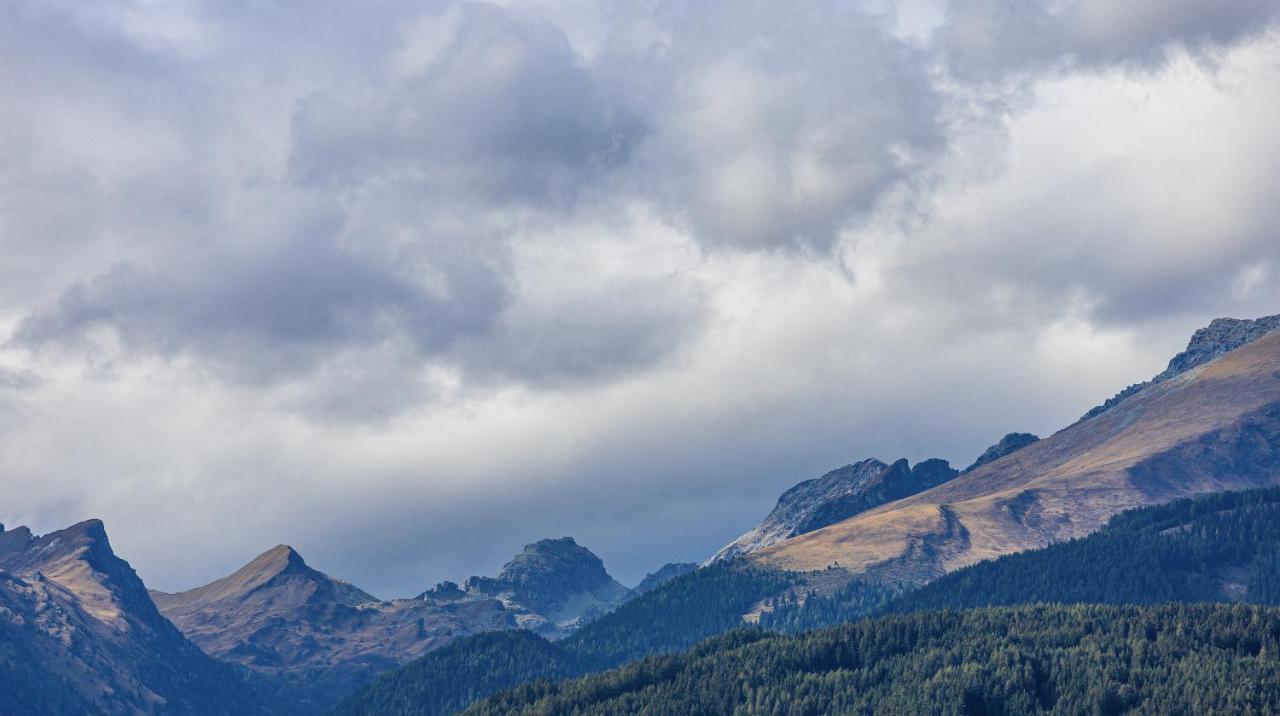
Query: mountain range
80	633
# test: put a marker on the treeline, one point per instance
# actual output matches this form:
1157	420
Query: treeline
1081	659
1215	548
672	617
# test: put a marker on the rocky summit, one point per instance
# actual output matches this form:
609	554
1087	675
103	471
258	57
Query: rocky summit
558	580
836	496
1008	445
1220	337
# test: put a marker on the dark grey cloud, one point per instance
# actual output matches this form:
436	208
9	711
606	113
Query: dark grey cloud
993	37
498	109
274	315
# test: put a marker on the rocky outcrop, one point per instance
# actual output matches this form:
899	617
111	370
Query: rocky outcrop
78	634
556	579
664	574
1008	445
1220	337
1213	426
836	496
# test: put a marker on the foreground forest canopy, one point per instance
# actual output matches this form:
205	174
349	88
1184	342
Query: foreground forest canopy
1180	659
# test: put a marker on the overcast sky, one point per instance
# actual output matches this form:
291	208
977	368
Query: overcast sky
408	285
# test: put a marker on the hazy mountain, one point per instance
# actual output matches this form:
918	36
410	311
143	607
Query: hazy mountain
665	574
836	496
1207	424
560	583
78	634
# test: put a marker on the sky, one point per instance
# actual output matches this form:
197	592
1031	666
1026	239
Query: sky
408	285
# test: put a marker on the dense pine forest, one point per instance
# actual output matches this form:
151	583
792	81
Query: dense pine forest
672	617
1082	659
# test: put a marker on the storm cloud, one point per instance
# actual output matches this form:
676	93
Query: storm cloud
408	285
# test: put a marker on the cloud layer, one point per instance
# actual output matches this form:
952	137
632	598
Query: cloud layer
410	285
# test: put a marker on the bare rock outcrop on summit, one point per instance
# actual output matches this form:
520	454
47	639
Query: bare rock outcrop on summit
1208	424
1221	336
1008	445
560	583
837	495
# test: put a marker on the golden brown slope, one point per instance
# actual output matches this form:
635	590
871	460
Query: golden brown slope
1215	427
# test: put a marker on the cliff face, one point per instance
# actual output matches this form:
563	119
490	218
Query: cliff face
1210	427
838	495
80	634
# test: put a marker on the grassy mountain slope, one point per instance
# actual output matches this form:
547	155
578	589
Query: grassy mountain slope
1212	428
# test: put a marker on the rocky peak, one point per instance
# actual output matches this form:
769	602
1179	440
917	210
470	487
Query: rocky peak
1221	336
1008	444
547	574
557	583
836	496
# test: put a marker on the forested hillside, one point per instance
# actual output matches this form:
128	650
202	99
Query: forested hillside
674	616
1170	659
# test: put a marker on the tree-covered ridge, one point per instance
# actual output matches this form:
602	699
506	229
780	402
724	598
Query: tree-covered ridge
1166	659
673	616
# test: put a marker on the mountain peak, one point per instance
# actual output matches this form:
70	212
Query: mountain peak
1221	336
837	495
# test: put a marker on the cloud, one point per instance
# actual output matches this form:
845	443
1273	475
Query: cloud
409	286
991	37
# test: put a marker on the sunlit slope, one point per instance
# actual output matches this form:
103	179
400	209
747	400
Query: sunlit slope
1213	428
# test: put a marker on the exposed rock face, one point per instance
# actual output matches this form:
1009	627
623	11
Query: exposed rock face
665	574
78	634
1221	336
1008	445
318	636
558	580
1208	428
836	496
